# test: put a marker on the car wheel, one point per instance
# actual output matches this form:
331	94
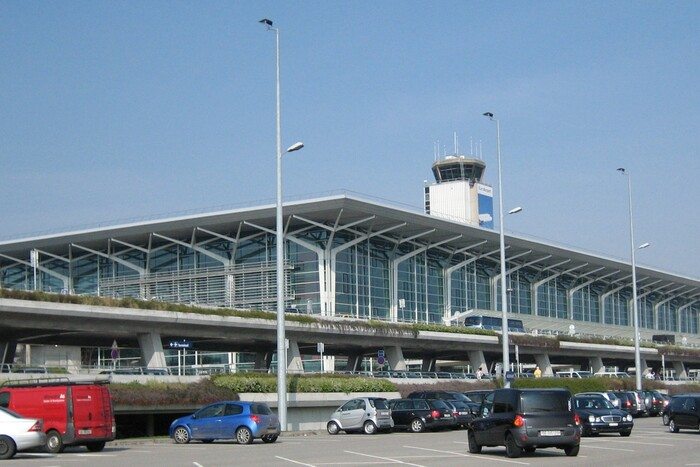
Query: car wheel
244	435
665	419
625	433
672	426
181	435
474	447
269	438
54	442
95	447
417	425
512	449
333	428
8	448
572	451
369	427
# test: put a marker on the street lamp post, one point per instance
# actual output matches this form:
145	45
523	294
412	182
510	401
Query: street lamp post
504	292
635	312
279	240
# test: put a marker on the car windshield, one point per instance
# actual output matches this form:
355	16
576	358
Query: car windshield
458	396
545	401
379	403
593	403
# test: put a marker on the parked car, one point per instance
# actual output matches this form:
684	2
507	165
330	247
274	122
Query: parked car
525	420
419	415
242	421
445	395
477	395
598	415
655	403
629	402
462	413
364	414
614	400
18	433
73	413
683	412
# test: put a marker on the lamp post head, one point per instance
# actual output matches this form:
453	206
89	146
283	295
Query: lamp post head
489	115
622	170
644	245
515	210
295	147
266	22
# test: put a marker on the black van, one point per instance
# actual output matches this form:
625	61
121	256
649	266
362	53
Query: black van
524	420
683	412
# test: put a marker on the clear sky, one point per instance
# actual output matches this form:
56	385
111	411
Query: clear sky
116	110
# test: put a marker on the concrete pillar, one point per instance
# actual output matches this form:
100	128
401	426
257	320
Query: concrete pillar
645	367
354	362
152	355
394	355
428	364
679	367
294	364
8	349
597	365
542	361
262	361
478	361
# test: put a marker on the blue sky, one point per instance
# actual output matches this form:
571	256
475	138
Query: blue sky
119	110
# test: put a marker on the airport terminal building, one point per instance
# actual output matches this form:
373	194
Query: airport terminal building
353	257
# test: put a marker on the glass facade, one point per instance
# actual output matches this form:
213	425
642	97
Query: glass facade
332	271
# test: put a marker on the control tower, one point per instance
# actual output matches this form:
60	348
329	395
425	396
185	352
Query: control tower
458	193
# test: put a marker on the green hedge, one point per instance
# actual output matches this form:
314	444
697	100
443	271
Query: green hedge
253	382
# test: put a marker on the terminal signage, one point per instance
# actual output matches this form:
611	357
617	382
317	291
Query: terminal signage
183	344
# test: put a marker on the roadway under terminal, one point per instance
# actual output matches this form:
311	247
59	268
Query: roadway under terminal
26	322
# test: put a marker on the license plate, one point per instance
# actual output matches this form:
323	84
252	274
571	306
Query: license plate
84	432
384	413
272	430
447	415
613	423
550	433
464	413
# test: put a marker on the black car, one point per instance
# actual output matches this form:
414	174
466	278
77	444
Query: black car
445	395
477	395
657	403
463	413
524	420
598	415
419	415
628	402
683	412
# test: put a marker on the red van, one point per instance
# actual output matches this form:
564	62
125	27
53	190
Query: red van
74	413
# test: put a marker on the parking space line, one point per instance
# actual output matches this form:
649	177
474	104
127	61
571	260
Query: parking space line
396	461
609	449
294	462
461	454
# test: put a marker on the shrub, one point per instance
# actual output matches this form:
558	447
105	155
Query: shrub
267	383
159	394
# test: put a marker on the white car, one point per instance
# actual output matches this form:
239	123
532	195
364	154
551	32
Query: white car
19	434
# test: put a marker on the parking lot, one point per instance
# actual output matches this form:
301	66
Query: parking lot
650	445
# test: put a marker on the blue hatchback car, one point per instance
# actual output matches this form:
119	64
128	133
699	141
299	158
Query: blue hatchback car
242	421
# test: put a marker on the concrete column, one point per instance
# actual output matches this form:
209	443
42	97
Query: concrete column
262	361
354	362
294	364
645	367
680	370
394	355
542	361
597	365
8	349
478	361
428	364
152	355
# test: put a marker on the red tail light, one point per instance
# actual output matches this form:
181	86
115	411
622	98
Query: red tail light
255	418
577	420
36	427
435	414
518	421
629	403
